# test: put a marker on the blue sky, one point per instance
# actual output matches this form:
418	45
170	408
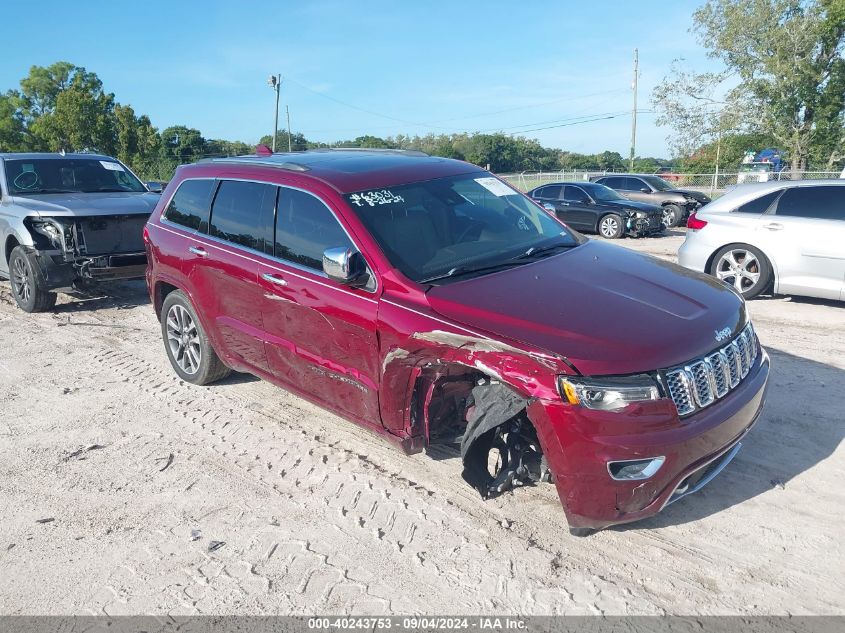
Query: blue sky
408	67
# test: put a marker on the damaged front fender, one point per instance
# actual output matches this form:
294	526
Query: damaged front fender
499	448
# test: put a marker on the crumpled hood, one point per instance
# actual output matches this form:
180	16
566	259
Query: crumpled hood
88	204
636	204
692	193
607	309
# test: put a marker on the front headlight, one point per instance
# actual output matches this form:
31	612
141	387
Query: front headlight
608	394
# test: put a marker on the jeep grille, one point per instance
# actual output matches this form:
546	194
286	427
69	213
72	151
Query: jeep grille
702	381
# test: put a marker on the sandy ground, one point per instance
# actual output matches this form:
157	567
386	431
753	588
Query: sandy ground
123	490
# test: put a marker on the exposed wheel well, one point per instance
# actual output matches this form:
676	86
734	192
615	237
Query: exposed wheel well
457	404
162	289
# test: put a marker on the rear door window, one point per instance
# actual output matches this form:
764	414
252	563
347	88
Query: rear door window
574	194
189	205
759	205
305	227
242	214
823	203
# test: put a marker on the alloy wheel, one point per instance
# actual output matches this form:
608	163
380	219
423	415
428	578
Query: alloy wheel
183	339
740	268
609	227
20	280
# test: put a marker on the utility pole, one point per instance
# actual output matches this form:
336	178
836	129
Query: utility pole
287	114
275	82
634	111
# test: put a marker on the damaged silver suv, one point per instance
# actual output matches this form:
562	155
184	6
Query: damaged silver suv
69	221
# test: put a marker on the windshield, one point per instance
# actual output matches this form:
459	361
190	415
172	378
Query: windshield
68	175
601	193
755	167
657	182
457	224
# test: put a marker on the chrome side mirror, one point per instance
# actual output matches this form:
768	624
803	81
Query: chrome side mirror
345	266
154	186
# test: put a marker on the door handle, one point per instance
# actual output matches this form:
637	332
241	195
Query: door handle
773	226
274	279
199	251
564	204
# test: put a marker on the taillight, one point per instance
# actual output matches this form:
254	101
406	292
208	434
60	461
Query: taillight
146	235
694	223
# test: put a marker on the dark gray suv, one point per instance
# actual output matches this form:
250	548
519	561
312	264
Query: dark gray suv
677	203
67	220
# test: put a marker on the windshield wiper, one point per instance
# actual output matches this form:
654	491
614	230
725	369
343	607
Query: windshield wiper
459	271
29	191
539	250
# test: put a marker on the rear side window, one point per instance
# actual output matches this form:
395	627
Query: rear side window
823	203
242	213
305	227
759	205
189	206
614	182
552	192
635	184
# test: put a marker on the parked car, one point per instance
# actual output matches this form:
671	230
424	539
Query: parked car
69	220
756	172
588	206
787	237
429	301
156	186
677	204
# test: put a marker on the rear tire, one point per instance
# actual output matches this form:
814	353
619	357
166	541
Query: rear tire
28	283
671	216
744	267
611	226
186	343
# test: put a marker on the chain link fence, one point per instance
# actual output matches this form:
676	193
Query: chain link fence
710	184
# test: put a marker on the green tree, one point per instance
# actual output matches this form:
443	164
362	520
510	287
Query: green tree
12	130
298	142
731	152
65	107
783	75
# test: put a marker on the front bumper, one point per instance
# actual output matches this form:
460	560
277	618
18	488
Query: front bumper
60	271
645	226
579	443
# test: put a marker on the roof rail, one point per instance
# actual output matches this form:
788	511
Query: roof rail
253	160
381	150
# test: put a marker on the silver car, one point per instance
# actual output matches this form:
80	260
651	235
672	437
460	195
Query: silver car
784	237
69	220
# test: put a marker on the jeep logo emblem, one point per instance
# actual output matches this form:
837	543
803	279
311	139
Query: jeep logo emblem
722	334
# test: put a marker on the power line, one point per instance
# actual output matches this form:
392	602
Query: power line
440	127
564	120
360	109
533	105
600	118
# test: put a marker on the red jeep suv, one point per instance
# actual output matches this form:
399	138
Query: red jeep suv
429	301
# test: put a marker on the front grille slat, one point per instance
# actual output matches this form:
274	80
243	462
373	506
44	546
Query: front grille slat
702	381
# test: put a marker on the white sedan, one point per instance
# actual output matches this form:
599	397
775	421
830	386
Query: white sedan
784	237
